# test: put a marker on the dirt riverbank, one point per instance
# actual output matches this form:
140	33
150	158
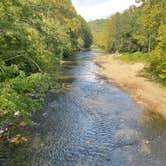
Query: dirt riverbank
128	76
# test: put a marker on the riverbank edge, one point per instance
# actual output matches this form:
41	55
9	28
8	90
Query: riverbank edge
128	76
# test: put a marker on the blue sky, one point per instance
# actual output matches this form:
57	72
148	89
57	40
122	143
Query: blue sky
94	9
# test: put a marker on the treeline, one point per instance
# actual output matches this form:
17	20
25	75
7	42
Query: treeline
34	37
97	25
139	29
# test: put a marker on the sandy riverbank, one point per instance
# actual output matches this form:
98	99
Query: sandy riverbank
128	76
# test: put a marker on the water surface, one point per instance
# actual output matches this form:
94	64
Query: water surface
91	123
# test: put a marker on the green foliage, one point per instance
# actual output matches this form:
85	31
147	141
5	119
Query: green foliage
97	25
135	57
97	32
153	20
158	68
136	31
34	37
152	16
86	35
20	96
119	31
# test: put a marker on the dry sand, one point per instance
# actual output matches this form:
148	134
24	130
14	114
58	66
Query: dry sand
128	76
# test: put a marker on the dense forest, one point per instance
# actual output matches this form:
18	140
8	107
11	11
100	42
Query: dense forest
34	38
139	32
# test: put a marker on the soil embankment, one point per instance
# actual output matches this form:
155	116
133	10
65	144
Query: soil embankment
128	76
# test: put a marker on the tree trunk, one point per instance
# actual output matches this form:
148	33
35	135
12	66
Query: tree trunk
149	44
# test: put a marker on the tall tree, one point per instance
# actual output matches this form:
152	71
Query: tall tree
34	37
153	15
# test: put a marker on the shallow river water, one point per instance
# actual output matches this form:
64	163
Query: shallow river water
92	123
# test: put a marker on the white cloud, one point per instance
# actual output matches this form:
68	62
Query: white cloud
93	9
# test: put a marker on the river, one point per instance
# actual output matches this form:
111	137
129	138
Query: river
91	123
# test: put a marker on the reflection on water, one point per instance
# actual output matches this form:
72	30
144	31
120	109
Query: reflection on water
90	123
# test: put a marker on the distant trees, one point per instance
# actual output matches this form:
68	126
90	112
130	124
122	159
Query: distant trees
86	34
138	29
118	31
97	29
34	37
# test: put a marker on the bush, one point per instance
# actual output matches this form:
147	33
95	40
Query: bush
135	57
22	95
158	67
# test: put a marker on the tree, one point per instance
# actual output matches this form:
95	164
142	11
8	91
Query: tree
153	15
34	37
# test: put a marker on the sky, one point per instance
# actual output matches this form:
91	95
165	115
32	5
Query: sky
95	9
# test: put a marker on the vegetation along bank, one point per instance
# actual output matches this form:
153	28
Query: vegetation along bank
138	35
34	38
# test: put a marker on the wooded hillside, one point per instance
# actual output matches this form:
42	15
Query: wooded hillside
34	37
140	30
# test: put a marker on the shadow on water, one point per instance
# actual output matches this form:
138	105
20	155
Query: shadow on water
89	123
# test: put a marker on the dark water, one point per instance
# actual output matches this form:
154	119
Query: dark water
92	123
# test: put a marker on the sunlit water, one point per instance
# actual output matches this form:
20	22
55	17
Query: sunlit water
91	123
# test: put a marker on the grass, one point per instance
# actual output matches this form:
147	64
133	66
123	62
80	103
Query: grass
134	57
